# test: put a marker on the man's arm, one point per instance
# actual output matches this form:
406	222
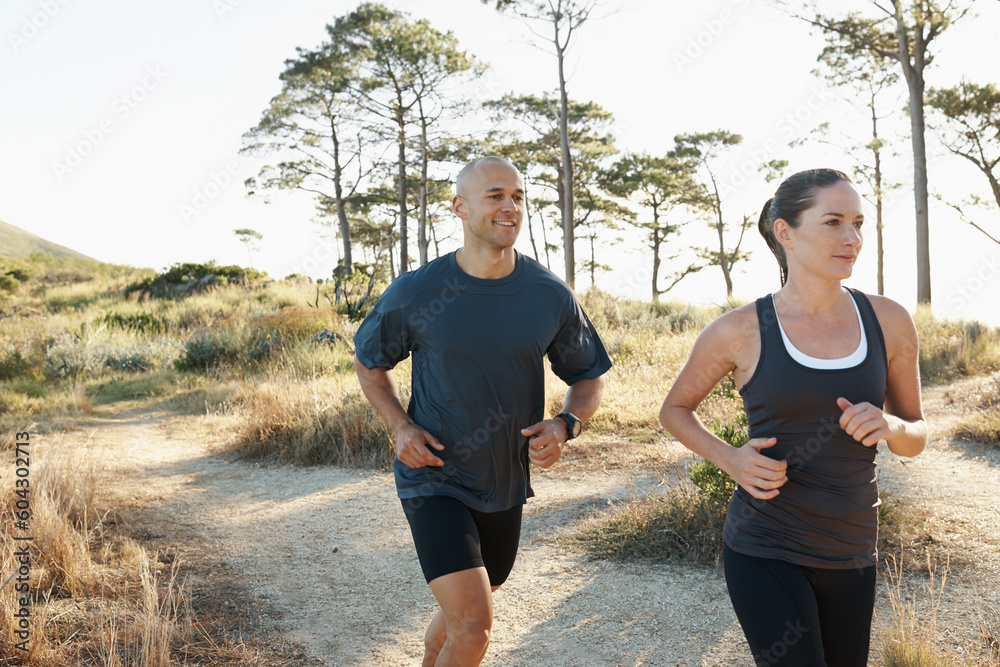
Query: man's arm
548	436
411	441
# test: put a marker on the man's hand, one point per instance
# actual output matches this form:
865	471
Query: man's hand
545	442
412	446
759	475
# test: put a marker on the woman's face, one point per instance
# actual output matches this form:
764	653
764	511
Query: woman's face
828	238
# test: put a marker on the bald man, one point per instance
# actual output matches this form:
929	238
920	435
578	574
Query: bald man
479	323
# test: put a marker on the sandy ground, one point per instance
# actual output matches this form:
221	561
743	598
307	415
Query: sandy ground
328	553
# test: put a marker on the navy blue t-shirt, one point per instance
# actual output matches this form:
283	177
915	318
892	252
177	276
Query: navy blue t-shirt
478	376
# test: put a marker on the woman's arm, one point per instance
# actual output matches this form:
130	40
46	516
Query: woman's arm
713	356
901	423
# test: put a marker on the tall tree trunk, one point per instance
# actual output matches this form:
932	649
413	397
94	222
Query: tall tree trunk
724	258
593	262
437	246
424	159
338	191
914	72
656	258
876	150
545	242
531	232
567	167
404	260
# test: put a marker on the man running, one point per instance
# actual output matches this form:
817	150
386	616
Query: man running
478	323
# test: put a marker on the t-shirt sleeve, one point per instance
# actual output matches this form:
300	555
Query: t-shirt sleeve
383	340
577	352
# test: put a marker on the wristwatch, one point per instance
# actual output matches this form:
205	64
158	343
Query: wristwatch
573	425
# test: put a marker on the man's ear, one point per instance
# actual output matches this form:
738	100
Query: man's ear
458	206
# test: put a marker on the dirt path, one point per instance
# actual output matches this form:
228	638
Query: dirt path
328	553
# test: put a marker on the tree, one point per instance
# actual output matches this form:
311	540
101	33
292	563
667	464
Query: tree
701	152
660	184
969	116
248	238
916	24
865	76
311	125
404	66
563	18
540	147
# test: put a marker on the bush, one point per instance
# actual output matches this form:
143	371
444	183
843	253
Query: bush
709	479
20	361
69	356
181	279
9	283
683	527
138	323
209	348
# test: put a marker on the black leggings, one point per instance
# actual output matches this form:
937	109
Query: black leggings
795	616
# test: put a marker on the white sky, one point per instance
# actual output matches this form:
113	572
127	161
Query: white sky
159	95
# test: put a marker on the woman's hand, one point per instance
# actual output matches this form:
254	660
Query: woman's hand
759	475
868	424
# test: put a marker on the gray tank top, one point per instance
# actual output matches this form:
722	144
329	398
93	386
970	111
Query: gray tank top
826	513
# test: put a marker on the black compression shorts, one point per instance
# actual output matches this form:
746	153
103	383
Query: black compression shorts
795	616
451	537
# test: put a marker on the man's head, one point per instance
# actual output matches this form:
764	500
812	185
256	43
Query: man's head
489	200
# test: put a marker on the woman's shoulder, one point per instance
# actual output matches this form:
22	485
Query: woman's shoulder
737	324
888	311
895	321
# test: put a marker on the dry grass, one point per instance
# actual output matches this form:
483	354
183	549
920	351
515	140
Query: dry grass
908	637
96	597
954	349
311	421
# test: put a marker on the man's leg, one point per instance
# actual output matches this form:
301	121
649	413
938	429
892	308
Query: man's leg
436	636
460	632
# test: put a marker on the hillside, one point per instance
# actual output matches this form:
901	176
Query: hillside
15	242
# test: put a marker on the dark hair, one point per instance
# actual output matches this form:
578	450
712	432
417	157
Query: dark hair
794	195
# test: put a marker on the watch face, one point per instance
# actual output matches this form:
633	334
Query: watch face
576	428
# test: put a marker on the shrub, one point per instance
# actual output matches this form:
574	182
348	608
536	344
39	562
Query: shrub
684	526
69	356
9	283
137	322
210	347
707	477
20	362
183	278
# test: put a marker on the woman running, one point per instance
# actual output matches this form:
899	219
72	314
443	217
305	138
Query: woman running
826	373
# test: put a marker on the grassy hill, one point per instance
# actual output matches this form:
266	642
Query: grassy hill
15	242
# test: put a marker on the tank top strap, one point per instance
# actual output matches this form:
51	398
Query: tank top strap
873	332
767	323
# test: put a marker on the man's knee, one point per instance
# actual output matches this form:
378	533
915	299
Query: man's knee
472	632
434	639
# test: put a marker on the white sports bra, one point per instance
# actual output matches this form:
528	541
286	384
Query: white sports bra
851	360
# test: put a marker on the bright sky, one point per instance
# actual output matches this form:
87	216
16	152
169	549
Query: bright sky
120	117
